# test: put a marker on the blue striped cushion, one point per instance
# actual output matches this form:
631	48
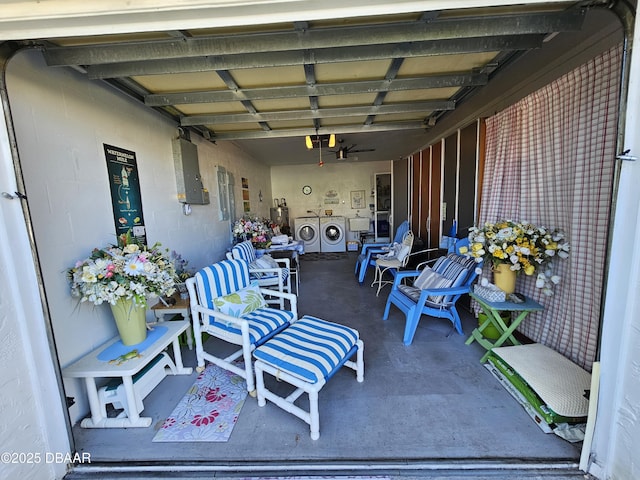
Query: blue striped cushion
244	250
221	279
262	323
429	279
271	276
467	262
449	269
414	294
310	349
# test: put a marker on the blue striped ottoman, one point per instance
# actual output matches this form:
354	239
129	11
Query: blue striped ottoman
306	355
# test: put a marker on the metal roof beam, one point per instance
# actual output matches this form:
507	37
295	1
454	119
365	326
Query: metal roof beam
412	107
301	132
349	88
440	29
317	57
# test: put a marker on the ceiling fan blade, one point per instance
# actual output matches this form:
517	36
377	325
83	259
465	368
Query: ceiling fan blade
363	150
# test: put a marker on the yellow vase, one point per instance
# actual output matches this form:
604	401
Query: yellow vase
131	321
504	278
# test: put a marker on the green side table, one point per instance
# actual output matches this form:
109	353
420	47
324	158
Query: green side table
493	309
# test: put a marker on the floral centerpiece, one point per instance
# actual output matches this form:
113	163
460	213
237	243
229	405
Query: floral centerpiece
123	275
127	270
253	228
523	247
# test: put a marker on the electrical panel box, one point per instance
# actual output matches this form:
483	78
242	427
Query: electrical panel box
188	179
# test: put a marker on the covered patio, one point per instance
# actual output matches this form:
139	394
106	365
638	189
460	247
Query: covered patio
422	409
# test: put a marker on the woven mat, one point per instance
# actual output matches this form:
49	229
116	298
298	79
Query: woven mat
558	381
208	411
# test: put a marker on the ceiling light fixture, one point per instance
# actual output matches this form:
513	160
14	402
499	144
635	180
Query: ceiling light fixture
320	141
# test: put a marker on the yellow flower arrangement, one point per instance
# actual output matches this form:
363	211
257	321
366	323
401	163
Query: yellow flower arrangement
524	247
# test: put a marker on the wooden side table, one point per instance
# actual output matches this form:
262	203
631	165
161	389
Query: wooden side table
182	307
493	309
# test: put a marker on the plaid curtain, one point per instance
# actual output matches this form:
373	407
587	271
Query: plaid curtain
550	161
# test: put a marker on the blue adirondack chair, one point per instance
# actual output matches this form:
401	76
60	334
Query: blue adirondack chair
456	274
367	257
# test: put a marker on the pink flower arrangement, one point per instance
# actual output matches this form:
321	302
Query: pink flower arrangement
255	229
128	270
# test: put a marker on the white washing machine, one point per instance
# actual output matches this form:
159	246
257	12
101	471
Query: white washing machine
307	230
333	234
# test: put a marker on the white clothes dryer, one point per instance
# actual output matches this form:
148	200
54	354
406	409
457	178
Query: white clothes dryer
307	230
333	234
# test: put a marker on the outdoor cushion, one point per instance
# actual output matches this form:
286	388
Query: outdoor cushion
261	322
447	272
429	279
266	261
242	302
464	260
310	349
245	251
396	259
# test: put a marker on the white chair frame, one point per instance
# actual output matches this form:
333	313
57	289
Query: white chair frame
199	315
275	275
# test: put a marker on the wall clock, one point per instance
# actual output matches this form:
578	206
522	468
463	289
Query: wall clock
306	189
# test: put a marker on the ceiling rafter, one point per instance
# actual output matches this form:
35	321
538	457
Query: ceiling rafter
207	63
338	130
366	110
392	72
439	29
343	88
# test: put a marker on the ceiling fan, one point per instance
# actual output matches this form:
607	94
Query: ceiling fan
343	152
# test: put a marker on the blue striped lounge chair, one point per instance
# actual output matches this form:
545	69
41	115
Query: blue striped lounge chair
225	304
270	277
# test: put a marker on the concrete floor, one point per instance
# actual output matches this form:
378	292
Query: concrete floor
427	407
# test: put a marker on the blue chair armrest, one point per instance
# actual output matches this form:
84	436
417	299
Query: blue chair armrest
366	247
402	274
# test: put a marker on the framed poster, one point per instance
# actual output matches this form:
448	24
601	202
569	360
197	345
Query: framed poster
125	191
357	199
